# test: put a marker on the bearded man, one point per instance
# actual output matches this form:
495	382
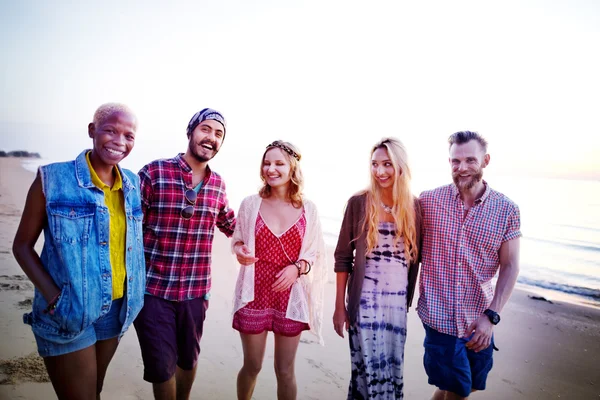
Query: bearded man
182	201
470	232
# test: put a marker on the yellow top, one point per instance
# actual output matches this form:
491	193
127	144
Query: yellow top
113	198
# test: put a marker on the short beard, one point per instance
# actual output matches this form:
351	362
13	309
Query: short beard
197	156
467	185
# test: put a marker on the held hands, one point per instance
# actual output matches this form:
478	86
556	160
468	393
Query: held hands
341	320
285	278
482	338
243	254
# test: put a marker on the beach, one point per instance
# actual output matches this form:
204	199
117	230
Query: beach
547	350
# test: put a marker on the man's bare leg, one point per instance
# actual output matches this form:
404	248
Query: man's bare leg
165	390
184	381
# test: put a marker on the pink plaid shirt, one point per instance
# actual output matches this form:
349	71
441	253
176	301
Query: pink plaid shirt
460	255
178	251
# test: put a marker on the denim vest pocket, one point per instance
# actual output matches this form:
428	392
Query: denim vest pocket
138	218
61	323
70	223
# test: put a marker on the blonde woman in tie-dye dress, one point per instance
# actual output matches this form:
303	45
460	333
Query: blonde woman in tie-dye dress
376	265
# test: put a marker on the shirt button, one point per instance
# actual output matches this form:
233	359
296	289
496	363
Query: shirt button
459	264
103	243
458	284
130	248
105	307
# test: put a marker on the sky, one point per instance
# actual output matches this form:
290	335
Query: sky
333	77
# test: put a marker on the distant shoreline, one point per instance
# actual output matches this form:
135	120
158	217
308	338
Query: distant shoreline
19	154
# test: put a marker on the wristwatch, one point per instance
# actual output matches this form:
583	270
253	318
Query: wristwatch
493	316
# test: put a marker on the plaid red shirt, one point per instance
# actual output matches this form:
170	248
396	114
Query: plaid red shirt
460	255
178	251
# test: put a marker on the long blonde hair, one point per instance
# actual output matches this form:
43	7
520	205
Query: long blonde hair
292	154
403	209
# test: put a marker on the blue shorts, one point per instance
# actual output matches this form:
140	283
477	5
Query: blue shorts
106	327
451	366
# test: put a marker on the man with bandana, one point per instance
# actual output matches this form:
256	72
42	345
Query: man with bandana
182	200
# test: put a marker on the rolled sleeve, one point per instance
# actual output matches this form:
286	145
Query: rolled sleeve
145	189
513	225
226	218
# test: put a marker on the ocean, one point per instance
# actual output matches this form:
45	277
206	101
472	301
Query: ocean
560	222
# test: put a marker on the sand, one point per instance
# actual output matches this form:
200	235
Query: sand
546	350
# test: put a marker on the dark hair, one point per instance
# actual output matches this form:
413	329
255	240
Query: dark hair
465	137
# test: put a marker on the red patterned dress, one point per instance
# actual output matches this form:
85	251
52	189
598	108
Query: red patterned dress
267	311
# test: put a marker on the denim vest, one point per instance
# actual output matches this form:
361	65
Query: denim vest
76	252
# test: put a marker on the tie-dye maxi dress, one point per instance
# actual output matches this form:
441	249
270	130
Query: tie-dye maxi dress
378	336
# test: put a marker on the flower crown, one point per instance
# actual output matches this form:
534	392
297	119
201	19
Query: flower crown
283	147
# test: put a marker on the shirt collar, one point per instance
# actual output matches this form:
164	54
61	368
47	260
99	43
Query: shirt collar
480	200
186	167
182	163
98	182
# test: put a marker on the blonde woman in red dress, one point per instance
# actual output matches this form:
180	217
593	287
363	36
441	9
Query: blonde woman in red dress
279	245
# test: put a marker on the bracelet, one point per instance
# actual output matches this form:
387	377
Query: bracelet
309	267
52	304
298	267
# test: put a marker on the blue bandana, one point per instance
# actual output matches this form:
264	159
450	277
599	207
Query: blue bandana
203	115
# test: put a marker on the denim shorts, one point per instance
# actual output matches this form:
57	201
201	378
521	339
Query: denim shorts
106	327
451	366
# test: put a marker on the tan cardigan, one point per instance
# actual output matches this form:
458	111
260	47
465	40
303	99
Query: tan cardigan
350	254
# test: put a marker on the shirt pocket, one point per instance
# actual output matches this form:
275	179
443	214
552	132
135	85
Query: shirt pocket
70	223
208	210
485	243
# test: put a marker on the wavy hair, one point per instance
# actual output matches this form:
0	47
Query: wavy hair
403	209
293	156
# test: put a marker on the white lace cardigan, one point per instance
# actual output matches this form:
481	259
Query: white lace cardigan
306	297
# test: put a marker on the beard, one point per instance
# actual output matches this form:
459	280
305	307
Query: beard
462	185
200	157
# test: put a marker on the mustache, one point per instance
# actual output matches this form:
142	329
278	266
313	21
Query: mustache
212	143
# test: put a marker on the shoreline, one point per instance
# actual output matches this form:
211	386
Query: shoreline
547	350
554	296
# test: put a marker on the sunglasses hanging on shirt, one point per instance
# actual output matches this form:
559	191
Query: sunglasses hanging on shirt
188	211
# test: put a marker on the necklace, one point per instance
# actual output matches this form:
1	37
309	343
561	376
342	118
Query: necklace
387	209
